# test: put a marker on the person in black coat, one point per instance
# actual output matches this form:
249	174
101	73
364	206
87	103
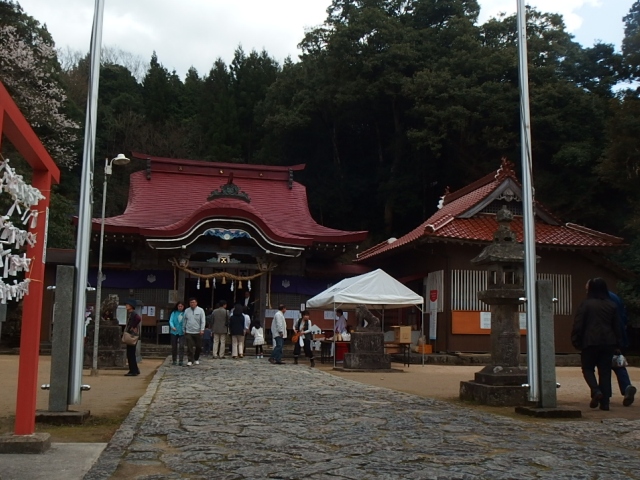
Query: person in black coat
237	330
596	333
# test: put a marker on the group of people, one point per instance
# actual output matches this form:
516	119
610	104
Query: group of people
192	326
302	336
599	332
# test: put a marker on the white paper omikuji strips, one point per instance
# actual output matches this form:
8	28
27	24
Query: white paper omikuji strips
15	291
26	196
20	191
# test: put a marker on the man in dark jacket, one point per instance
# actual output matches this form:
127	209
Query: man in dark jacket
596	333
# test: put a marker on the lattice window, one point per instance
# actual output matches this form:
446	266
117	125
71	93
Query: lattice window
496	205
465	285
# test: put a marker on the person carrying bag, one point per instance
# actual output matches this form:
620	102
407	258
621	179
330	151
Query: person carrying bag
130	337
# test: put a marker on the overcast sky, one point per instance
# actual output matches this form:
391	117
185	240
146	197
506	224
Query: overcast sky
195	32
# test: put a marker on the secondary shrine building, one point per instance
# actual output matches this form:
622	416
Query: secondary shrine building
435	259
215	231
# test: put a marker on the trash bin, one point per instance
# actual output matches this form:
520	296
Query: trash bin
341	349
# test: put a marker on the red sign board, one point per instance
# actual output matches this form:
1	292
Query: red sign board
433	295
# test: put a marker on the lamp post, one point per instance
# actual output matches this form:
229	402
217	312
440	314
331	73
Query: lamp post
119	160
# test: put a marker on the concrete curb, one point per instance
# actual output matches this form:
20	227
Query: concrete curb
110	458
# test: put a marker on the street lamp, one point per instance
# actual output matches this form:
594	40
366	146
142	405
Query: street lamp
119	160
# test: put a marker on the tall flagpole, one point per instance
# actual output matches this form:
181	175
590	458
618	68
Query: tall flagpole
527	208
84	215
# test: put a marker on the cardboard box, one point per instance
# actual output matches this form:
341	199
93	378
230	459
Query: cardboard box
402	334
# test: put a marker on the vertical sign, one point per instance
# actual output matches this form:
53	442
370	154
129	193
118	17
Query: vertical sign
433	314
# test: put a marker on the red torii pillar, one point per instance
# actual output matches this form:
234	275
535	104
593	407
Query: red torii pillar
18	131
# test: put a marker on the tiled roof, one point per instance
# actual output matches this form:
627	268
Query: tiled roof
447	224
171	197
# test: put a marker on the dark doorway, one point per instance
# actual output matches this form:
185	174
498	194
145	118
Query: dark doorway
208	297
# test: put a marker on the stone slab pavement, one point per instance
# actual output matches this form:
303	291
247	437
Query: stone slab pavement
63	461
248	419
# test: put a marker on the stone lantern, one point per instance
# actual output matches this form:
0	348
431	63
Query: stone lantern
500	382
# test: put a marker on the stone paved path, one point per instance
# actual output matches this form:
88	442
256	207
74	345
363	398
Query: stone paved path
248	419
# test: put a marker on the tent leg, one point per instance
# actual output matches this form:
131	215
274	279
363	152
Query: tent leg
334	334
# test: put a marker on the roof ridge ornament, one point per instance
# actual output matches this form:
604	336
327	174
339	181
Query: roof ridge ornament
229	190
441	201
505	170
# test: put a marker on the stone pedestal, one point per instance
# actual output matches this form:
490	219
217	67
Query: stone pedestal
111	352
497	386
38	442
367	352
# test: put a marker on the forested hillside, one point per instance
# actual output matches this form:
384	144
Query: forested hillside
391	102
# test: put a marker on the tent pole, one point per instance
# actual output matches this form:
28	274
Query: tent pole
424	338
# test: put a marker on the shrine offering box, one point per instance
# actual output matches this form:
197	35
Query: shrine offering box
402	334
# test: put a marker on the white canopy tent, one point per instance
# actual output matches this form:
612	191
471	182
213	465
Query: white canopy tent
375	289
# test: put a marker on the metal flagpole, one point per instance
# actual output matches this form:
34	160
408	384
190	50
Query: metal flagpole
527	207
84	215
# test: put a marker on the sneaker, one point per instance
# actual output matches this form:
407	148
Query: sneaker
197	362
629	393
189	364
272	360
596	397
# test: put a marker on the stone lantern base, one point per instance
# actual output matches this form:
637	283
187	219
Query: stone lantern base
111	351
367	352
497	386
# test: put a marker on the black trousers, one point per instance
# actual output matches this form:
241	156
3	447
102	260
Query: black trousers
177	347
307	349
598	357
194	342
131	360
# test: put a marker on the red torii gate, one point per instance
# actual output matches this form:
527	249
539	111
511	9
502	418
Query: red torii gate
45	172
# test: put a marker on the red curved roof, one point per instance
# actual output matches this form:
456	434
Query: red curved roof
450	223
170	198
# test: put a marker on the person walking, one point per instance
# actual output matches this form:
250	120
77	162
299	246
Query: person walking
627	390
237	329
258	338
176	324
279	333
133	327
220	327
596	333
303	328
194	324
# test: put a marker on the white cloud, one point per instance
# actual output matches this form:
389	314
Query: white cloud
196	32
568	8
